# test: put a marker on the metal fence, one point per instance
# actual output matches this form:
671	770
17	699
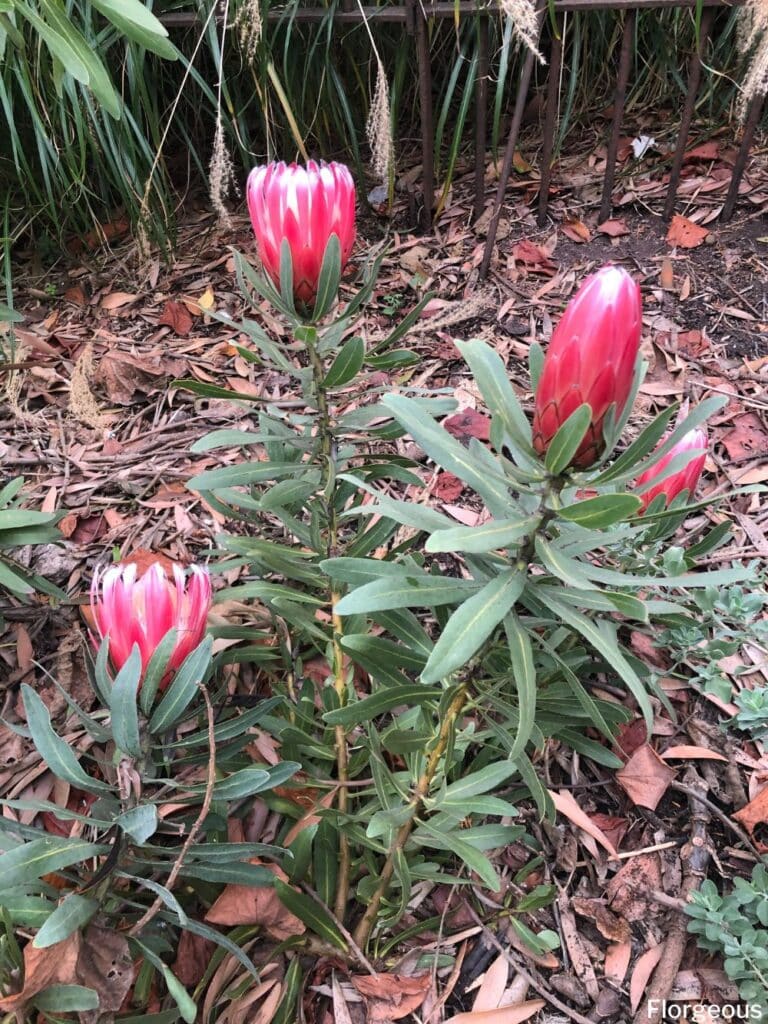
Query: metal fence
415	16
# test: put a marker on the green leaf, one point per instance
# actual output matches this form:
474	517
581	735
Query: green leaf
328	280
471	624
347	363
601	512
70	915
447	452
30	861
138	23
492	378
8	315
473	785
535	364
569	570
194	671
14	581
59	45
249	781
242	475
645	442
498	533
605	643
524	673
187	1006
125	713
159	890
156	669
235	873
66	999
426	835
413	590
140	823
315	917
56	752
383	700
567	440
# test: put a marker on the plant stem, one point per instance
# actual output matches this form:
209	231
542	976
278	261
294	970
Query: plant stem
327	446
423	786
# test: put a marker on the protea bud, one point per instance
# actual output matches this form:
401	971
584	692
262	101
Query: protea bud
590	359
305	205
695	441
141	611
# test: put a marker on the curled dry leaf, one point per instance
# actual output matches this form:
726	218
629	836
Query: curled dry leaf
617	959
391	996
645	777
686	752
627	892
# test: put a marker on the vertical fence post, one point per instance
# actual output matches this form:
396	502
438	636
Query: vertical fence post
620	96
550	119
425	108
753	117
694	78
481	112
509	154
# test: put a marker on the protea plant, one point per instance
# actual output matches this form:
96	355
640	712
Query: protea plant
140	610
304	206
695	442
590	359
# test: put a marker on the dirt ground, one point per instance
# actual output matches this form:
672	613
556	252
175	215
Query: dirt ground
92	423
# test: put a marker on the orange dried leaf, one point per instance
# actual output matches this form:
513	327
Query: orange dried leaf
566	804
641	975
684	233
645	777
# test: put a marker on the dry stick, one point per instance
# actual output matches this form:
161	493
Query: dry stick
194	831
694	794
695	855
368	920
339	676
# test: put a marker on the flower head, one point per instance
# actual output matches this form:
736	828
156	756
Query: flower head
590	359
305	205
131	610
695	442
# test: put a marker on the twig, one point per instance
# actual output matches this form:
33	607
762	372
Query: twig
198	823
714	809
695	855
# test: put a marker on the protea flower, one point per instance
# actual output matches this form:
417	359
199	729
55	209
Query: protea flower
590	359
306	205
695	441
131	610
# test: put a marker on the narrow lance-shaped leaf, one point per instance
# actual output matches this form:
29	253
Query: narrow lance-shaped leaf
472	624
524	673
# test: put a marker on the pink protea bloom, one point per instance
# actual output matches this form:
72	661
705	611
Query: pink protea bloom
695	441
131	610
590	359
306	205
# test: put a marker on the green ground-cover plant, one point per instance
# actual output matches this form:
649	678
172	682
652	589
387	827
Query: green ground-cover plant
735	926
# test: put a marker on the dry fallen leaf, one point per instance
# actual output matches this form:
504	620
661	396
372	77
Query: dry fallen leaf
467	424
391	996
117	299
685	752
617	958
577	231
684	233
565	803
613	228
627	893
645	777
176	315
753	814
492	986
245	904
641	975
504	1015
